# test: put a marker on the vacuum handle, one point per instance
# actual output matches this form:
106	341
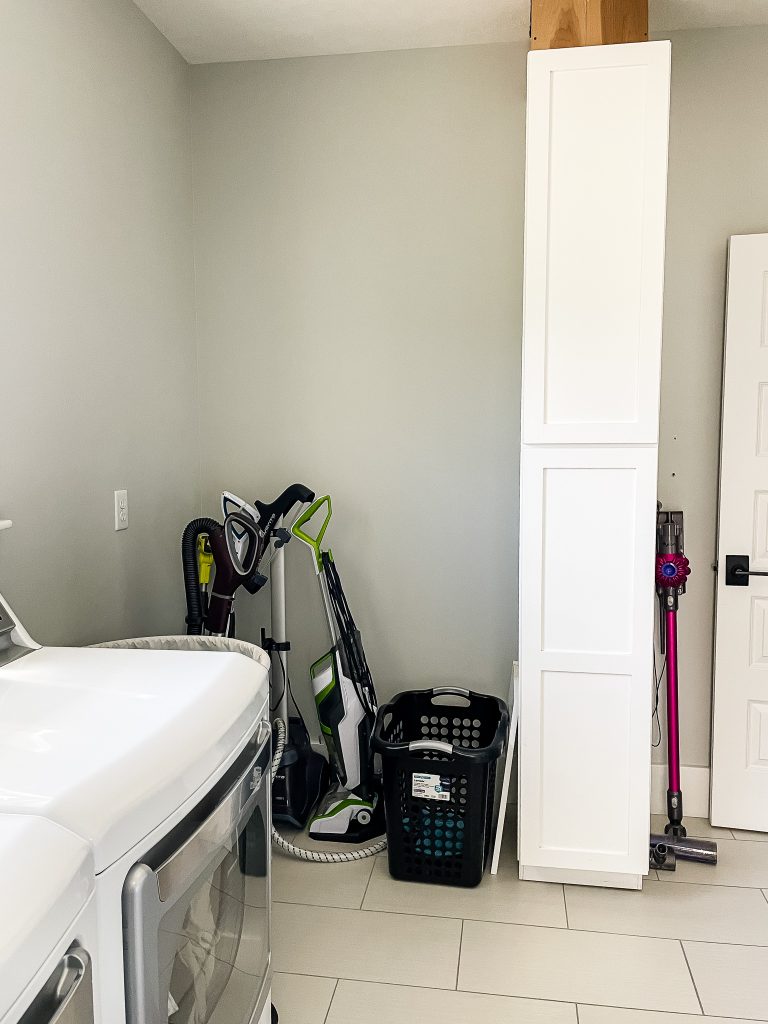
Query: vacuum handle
436	746
244	561
269	515
307	538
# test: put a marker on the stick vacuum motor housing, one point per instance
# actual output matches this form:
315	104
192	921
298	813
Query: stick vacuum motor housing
672	571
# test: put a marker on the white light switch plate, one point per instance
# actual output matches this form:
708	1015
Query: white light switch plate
121	510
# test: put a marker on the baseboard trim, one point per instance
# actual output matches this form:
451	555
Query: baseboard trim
695	783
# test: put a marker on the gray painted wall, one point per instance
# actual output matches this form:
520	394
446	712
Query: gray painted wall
359	255
96	318
359	258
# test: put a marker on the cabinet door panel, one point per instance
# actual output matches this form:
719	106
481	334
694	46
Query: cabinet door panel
596	178
586	624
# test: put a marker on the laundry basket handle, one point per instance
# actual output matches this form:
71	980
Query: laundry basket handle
436	746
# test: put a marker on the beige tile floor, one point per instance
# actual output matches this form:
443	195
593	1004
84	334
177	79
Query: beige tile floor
353	946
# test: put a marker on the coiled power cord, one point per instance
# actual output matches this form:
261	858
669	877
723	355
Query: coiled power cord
315	856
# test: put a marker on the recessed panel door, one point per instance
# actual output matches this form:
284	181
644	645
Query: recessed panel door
740	712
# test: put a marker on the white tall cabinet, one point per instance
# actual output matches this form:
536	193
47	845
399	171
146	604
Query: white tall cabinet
594	267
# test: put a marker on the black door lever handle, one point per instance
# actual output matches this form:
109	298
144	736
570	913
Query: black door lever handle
737	571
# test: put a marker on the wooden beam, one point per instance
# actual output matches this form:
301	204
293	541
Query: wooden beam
557	23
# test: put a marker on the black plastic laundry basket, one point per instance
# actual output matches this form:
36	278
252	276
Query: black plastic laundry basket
439	750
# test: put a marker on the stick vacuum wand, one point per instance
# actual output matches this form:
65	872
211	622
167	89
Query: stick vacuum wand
672	572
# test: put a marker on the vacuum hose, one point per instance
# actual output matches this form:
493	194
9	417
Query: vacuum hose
316	857
195	614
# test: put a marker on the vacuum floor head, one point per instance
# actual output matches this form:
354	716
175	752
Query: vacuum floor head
667	849
345	817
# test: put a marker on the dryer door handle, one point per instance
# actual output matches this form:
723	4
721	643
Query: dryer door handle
67	996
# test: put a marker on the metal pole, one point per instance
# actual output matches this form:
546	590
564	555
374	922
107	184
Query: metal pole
279	658
674	794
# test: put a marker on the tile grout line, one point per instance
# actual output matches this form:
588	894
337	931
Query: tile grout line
333	996
368	883
393	913
401	984
549	927
671	1013
463	991
765	894
688	881
458	961
690	972
565	908
510	998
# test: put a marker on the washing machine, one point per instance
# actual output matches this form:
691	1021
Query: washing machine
47	924
160	761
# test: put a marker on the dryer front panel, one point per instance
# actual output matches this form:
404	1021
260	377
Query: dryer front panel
196	908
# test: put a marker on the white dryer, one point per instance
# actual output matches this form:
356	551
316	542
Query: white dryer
47	924
159	759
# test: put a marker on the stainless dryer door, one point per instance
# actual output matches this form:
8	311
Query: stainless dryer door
196	908
67	996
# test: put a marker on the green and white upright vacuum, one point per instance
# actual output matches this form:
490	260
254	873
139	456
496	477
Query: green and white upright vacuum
345	699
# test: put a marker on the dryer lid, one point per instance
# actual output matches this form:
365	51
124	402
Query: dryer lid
46	879
109	743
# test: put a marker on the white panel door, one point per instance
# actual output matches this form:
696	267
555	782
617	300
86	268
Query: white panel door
740	713
586	627
596	178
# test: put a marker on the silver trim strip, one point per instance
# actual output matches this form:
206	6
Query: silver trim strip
219	830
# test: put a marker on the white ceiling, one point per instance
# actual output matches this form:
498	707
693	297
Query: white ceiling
205	31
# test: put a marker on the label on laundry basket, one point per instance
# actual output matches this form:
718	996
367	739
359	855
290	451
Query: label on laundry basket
431	787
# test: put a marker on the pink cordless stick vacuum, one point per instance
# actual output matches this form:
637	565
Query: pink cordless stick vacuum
672	572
